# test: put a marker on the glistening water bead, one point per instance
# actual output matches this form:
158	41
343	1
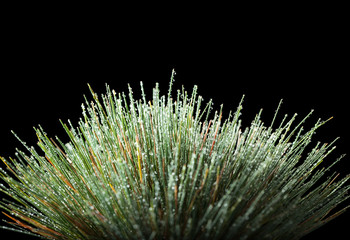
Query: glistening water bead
169	168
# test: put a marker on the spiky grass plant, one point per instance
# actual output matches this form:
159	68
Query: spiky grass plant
169	169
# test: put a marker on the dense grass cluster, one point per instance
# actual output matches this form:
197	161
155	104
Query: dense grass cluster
169	169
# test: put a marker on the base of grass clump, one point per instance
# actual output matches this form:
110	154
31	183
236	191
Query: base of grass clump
165	169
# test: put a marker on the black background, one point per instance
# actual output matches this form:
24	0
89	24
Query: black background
47	59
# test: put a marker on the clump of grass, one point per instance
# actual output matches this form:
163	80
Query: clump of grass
166	169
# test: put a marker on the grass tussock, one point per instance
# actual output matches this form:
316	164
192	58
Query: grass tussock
170	168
